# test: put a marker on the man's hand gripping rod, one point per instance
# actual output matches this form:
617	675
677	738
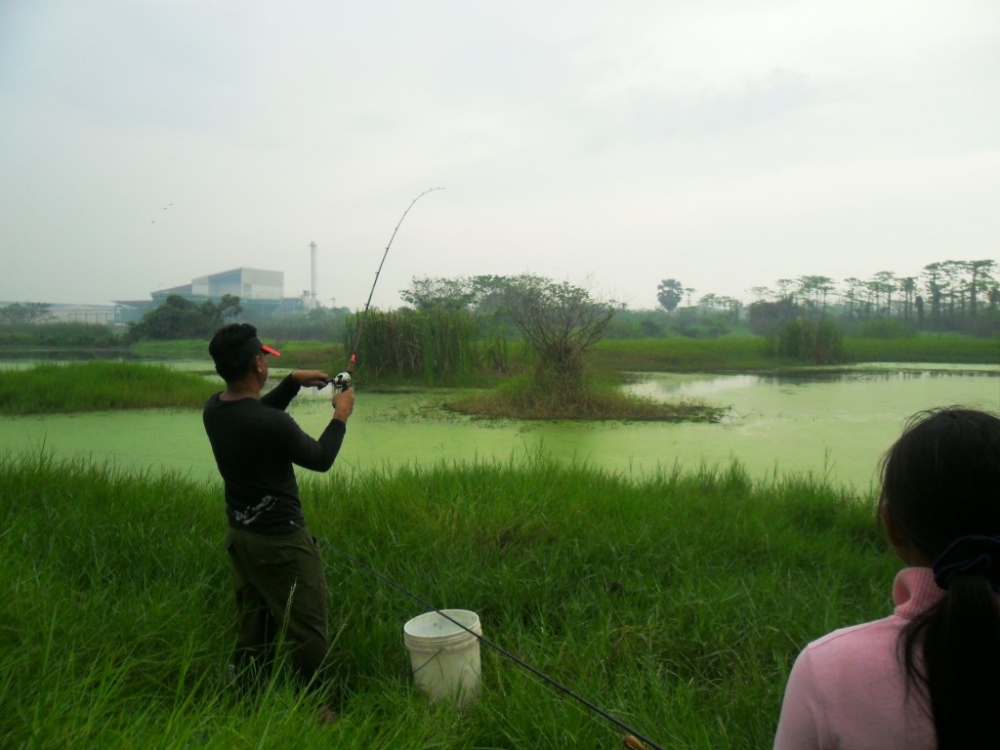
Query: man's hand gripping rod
342	381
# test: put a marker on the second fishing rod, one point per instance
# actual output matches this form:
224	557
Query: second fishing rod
343	380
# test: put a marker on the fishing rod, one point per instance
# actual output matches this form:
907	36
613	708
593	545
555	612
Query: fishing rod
342	381
633	740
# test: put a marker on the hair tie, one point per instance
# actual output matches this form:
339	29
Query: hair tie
969	554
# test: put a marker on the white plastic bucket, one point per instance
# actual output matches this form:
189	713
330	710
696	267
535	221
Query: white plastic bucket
445	657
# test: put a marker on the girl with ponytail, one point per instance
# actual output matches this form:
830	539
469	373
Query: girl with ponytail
927	676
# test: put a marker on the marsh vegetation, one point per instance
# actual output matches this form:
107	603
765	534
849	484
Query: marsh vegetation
99	386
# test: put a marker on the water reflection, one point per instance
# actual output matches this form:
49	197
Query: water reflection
697	385
16	360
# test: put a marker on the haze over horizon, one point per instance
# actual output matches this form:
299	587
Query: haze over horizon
725	144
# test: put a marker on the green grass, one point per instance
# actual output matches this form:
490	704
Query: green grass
677	603
98	386
949	348
743	353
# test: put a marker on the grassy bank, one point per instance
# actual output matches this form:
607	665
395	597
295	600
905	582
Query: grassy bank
97	386
746	353
949	348
677	603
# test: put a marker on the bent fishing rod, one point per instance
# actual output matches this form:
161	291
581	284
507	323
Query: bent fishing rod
342	381
634	740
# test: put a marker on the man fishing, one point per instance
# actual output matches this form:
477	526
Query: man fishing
280	585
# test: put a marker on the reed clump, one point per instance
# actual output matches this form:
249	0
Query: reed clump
677	602
428	346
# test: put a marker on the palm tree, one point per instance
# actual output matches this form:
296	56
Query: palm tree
854	285
935	278
885	283
908	286
816	287
980	277
669	293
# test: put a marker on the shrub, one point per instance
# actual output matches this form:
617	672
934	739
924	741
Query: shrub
818	343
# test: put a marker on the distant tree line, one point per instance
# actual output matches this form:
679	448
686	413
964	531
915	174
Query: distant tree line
19	328
175	318
25	314
179	318
954	295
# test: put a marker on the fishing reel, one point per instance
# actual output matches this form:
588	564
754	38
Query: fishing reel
341	382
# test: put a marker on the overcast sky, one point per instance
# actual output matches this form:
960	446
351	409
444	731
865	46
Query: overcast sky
726	144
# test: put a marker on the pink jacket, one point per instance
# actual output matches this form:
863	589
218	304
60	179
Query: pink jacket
848	690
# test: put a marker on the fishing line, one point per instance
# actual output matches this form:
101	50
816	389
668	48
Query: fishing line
499	649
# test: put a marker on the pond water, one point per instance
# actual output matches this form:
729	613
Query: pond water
834	424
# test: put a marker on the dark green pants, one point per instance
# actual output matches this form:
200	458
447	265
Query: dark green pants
281	595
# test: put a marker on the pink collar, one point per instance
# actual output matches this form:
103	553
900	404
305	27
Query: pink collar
913	591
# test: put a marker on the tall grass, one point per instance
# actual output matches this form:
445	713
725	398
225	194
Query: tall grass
677	602
97	386
438	347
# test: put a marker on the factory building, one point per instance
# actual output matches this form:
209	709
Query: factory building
258	290
252	285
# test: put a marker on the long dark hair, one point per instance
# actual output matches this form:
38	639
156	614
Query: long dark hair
941	491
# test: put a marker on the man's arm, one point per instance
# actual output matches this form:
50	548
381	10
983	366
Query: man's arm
318	455
282	394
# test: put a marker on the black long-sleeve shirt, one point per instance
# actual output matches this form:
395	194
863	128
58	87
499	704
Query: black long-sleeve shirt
255	445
